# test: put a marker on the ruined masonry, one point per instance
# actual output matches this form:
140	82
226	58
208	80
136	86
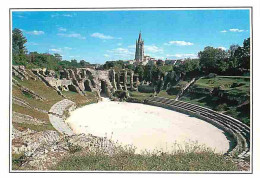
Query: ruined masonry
102	82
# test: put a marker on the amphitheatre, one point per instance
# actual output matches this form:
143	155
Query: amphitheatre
155	123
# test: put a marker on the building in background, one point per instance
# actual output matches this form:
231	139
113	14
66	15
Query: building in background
139	51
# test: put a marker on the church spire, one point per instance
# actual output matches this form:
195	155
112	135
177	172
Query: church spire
140	36
139	52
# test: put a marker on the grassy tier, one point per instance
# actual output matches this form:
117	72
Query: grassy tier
236	91
128	161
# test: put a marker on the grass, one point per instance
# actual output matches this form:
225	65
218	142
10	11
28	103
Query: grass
212	102
30	112
51	96
235	90
163	93
139	96
142	96
24	126
128	161
17	160
81	100
226	84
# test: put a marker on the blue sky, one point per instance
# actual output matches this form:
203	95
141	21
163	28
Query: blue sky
99	36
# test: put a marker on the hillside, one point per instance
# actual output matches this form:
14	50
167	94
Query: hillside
227	94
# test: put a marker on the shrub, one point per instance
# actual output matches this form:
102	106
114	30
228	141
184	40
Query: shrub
211	75
146	89
221	107
174	90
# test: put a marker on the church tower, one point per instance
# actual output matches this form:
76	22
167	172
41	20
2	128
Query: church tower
139	52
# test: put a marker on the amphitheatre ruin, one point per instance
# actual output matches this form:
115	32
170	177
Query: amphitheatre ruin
157	123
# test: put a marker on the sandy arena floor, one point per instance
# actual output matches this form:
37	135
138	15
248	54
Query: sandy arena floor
145	127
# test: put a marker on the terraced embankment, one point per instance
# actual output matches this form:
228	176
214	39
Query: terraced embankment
239	130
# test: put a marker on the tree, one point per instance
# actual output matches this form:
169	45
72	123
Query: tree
18	42
245	63
160	62
83	63
74	63
18	48
211	58
58	56
130	66
233	60
140	71
242	55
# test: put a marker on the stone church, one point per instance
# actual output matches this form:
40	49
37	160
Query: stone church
140	58
139	52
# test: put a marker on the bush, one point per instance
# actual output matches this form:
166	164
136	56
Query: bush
121	94
146	89
174	90
211	75
221	107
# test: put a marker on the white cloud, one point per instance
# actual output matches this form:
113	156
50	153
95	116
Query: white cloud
67	48
74	56
101	36
131	46
58	50
34	32
179	43
221	47
235	30
152	49
223	31
72	35
183	55
121	52
106	55
62	29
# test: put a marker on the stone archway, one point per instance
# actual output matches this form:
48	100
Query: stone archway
103	91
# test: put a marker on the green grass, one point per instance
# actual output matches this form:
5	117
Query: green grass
80	100
234	89
139	96
226	84
163	93
24	126
166	68
17	160
51	95
127	161
30	112
213	102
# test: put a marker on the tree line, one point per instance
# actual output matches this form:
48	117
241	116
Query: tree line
234	61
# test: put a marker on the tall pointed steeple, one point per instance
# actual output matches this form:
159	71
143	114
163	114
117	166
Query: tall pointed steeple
140	36
139	52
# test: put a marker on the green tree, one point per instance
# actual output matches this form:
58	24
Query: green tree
130	66
140	71
18	42
18	48
83	63
211	58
